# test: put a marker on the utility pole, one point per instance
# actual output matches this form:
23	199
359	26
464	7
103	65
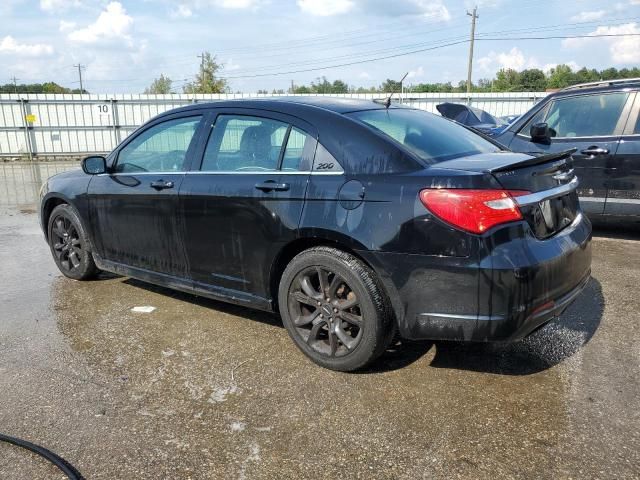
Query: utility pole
293	88
201	57
15	84
473	16
79	66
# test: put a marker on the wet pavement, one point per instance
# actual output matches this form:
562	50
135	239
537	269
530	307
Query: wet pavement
200	389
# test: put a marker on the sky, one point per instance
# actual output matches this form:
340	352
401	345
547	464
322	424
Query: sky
267	44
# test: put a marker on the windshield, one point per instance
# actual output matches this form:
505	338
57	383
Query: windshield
430	137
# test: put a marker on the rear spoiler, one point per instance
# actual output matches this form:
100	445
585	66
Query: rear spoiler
535	160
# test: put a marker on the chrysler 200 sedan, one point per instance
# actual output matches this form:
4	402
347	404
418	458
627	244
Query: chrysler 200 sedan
353	221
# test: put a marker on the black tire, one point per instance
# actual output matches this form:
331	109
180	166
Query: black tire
334	309
69	244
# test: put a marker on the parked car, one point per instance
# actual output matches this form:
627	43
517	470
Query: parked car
473	117
352	220
601	120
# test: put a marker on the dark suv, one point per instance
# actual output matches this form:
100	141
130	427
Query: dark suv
601	120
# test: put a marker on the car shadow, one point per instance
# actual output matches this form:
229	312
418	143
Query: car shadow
548	346
223	307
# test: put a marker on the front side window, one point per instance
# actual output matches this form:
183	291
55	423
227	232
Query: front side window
242	143
161	148
430	137
586	115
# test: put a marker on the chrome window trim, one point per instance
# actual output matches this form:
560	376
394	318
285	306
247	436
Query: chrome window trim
225	172
538	197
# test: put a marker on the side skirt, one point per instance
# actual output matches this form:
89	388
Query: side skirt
188	286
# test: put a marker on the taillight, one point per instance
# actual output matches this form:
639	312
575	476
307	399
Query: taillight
475	211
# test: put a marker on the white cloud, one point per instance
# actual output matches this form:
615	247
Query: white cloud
589	16
623	49
236	4
418	72
10	45
183	11
57	5
433	9
65	26
364	75
325	8
229	66
513	59
112	24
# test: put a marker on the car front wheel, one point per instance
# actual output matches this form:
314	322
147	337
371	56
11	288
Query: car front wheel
334	309
69	244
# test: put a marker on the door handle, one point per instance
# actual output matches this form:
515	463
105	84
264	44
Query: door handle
593	151
161	184
270	185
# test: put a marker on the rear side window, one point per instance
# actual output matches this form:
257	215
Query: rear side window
586	115
637	129
242	143
298	155
430	137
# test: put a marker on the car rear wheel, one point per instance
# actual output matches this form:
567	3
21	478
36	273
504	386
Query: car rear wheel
334	309
69	244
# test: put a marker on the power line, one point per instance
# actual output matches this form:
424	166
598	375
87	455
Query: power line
402	54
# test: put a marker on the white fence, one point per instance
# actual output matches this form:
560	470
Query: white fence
47	125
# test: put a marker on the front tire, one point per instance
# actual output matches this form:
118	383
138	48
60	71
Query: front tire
70	245
334	309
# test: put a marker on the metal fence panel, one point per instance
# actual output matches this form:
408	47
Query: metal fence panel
42	125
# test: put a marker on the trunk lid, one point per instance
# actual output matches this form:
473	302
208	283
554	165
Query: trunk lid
552	203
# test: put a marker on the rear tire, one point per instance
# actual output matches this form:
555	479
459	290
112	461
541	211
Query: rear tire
334	309
70	245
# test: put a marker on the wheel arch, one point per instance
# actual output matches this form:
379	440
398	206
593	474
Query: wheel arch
48	204
328	239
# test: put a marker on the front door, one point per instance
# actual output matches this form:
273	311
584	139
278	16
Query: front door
590	123
245	202
134	208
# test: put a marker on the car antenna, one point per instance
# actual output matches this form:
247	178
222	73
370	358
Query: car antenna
387	101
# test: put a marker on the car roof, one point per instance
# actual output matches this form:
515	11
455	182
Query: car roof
603	86
292	104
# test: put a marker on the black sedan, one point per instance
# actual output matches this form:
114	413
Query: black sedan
352	220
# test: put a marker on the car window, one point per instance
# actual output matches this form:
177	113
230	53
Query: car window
161	148
637	129
586	115
537	118
298	155
244	143
430	137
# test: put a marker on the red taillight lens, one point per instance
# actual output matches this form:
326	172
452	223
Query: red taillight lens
475	211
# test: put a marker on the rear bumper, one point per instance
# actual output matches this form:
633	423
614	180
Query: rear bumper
513	284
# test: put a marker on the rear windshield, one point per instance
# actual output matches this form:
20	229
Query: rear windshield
430	137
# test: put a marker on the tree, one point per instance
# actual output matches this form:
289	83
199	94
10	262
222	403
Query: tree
533	80
561	76
339	86
161	85
206	80
507	80
390	86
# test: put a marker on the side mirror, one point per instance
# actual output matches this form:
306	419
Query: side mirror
541	133
94	165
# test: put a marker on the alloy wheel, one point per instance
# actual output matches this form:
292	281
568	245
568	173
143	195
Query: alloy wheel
67	246
325	311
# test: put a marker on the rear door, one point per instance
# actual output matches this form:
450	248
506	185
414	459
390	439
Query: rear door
591	123
623	170
134	208
244	201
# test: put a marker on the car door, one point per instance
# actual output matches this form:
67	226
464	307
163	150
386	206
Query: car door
134	207
591	123
245	200
623	170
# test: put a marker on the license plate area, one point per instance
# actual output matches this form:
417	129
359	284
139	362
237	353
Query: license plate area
550	216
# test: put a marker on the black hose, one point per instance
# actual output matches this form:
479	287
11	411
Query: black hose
68	469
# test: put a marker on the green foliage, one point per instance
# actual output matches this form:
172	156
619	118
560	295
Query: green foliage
206	80
161	85
47	87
